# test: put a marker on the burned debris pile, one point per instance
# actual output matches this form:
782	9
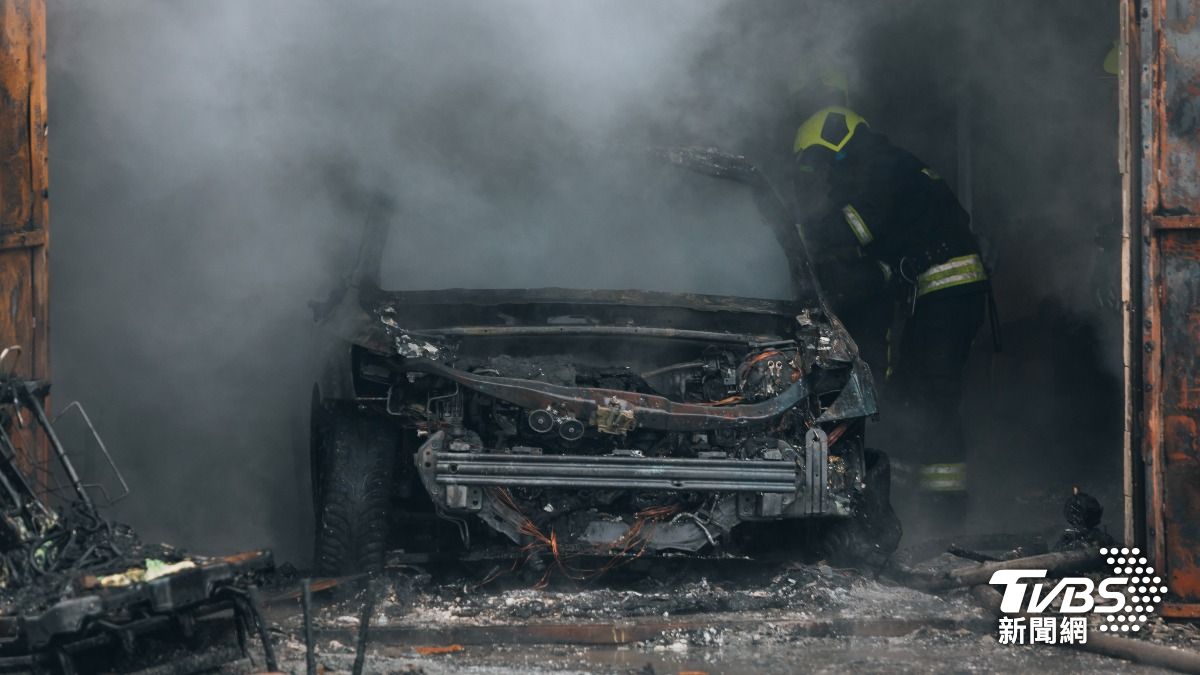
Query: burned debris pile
418	618
80	593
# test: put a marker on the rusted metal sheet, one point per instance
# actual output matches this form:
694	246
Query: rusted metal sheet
24	185
1181	610
1179	454
1177	106
1162	43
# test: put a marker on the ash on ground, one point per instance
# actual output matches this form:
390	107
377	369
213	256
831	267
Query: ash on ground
727	618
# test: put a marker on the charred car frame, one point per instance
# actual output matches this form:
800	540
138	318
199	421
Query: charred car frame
592	421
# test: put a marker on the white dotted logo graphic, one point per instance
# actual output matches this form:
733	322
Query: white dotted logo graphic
1143	592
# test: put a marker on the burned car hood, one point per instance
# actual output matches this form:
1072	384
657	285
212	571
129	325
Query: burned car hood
453	332
642	332
588	297
559	312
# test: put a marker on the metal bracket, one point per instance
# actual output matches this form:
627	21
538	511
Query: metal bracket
112	465
814	488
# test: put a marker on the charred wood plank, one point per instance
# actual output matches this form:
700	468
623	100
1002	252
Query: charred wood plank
972	575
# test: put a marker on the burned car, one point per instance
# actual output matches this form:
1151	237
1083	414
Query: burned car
600	422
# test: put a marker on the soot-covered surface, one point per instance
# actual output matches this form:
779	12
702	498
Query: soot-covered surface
711	617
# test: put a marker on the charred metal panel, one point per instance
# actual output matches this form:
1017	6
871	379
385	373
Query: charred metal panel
24	186
648	411
1162	44
1180	455
1179	108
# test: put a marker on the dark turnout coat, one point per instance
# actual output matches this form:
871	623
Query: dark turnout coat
890	221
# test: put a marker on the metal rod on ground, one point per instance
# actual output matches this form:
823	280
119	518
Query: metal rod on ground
260	625
1137	651
310	656
28	393
364	624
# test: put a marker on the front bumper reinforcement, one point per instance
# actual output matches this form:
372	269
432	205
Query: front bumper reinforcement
613	472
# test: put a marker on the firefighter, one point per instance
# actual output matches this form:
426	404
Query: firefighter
885	230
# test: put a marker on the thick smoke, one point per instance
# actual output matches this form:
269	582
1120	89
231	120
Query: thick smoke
213	167
213	163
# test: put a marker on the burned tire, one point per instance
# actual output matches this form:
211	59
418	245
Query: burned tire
354	458
870	537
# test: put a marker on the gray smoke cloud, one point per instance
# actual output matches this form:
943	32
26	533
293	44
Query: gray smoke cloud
212	165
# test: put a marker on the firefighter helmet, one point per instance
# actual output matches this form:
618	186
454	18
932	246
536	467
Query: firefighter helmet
830	128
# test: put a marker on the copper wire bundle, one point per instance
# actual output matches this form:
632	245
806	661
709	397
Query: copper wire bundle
632	540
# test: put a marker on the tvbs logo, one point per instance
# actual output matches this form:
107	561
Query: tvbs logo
1122	602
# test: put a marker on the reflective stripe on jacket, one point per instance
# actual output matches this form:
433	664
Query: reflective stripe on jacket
965	269
857	225
947	477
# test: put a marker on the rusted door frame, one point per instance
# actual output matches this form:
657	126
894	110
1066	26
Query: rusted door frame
1160	163
24	191
1127	106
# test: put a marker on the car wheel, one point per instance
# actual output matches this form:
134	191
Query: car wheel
870	537
354	457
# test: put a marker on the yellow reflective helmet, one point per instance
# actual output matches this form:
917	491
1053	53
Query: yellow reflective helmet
830	128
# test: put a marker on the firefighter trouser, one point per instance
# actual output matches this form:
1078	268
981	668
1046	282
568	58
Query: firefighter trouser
925	392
